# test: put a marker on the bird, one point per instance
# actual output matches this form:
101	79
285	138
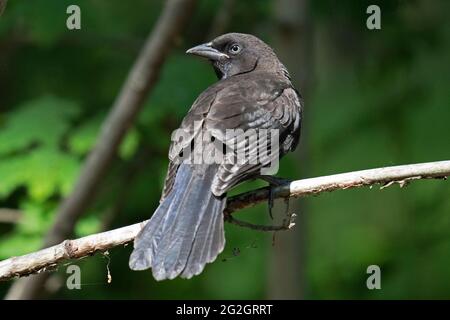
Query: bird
254	91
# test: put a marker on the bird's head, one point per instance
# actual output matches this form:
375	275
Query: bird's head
237	53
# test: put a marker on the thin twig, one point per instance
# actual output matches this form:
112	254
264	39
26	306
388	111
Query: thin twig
74	249
10	215
384	176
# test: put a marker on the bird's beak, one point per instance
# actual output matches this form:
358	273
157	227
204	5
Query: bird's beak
207	51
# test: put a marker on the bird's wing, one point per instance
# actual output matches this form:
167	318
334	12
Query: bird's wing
183	137
192	124
261	103
170	179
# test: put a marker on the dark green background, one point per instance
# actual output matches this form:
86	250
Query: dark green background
372	99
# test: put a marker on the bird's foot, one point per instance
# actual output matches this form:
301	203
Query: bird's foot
273	183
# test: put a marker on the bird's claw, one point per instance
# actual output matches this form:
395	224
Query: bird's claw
270	202
275	182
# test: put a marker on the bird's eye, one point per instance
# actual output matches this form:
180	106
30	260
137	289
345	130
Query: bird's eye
234	49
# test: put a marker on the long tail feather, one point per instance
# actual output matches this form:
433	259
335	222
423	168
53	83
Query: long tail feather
186	231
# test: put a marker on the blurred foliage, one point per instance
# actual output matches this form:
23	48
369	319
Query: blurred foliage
378	98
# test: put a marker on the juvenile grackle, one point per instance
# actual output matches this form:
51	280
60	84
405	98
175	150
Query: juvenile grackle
254	91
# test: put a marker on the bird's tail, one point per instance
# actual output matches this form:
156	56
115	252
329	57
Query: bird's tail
186	231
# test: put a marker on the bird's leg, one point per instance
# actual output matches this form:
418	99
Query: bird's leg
274	182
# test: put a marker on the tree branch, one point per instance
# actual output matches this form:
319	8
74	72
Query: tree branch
385	176
141	78
74	249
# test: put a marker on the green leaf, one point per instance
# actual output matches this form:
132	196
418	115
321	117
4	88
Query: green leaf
84	138
37	217
42	121
129	145
18	244
44	172
28	233
88	225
